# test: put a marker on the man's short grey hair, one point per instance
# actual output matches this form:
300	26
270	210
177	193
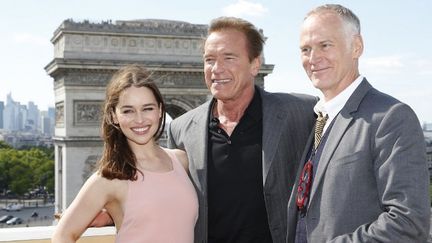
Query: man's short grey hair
348	17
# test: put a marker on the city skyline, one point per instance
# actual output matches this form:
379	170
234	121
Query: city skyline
18	117
397	58
26	103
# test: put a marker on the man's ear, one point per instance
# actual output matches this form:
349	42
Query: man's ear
357	50
256	65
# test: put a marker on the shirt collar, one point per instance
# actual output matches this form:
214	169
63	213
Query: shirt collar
335	105
254	109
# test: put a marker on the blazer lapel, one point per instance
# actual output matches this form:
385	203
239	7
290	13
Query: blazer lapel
341	124
271	133
198	137
301	166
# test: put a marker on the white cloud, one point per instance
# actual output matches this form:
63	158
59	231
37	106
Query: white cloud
424	66
383	62
26	38
245	8
389	65
397	64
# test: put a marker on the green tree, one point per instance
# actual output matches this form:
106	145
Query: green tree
4	169
21	177
43	167
24	170
4	145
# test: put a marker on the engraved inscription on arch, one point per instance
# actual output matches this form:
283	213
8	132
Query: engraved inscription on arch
88	78
86	43
183	79
115	41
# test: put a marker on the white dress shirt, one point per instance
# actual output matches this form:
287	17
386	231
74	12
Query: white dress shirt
335	105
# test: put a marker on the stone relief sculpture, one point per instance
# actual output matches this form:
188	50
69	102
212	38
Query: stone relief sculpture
87	112
59	114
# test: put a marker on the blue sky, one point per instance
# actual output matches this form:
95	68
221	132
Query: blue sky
397	35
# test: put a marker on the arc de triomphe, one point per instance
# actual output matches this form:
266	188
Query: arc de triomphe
85	57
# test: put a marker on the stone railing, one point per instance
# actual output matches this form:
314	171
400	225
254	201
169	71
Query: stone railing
43	235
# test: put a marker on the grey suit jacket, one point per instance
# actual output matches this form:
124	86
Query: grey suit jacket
372	181
287	121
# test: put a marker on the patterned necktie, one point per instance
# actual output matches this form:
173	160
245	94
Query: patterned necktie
305	182
319	126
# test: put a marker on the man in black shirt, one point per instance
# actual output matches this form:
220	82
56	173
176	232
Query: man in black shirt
243	145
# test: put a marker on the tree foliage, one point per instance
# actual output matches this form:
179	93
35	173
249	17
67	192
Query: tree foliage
4	145
25	170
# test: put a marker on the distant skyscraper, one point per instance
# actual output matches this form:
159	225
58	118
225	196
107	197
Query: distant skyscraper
51	112
47	124
10	114
17	117
33	117
22	118
51	115
1	114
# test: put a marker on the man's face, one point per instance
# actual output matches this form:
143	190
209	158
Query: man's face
227	69
329	53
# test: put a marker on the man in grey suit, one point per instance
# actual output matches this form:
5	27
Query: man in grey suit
244	144
367	181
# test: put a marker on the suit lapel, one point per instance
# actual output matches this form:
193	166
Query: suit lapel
336	133
198	131
272	115
341	124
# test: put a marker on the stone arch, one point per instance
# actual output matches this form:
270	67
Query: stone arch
175	107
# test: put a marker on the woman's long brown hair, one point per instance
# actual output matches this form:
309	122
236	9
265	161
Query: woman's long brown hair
118	161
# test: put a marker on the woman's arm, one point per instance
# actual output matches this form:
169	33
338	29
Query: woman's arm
182	157
88	203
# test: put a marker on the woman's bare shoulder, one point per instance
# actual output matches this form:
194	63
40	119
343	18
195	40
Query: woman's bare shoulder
181	156
112	187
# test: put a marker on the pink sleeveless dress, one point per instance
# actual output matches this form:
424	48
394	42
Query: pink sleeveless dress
161	207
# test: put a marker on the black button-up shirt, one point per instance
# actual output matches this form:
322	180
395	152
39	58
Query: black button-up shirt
236	208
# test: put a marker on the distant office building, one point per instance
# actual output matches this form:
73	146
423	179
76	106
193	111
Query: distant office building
33	117
22	118
1	114
10	114
51	112
51	115
17	117
47	123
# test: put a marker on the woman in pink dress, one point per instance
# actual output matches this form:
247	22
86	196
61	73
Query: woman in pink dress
144	187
